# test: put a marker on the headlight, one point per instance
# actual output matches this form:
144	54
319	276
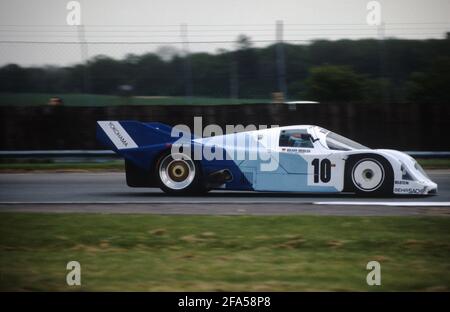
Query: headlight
405	173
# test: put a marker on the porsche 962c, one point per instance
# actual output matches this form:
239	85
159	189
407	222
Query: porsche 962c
300	158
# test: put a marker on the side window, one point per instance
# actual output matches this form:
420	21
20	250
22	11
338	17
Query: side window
295	138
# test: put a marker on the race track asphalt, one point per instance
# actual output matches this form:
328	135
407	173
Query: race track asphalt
108	193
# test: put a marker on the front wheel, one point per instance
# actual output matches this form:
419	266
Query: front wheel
178	174
371	175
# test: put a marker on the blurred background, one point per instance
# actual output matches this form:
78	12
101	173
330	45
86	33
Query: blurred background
380	79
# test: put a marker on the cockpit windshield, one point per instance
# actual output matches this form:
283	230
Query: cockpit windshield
338	142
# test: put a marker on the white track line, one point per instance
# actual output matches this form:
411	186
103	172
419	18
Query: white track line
237	202
172	202
375	203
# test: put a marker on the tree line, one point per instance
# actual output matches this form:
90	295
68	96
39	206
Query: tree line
366	70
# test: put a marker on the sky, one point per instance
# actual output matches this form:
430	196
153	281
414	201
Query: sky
35	33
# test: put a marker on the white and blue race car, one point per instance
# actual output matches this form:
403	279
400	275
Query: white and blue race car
301	158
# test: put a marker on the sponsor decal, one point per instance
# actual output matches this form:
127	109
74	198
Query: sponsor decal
401	182
117	134
296	150
408	190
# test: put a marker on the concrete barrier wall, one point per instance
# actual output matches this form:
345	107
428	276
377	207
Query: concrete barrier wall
399	126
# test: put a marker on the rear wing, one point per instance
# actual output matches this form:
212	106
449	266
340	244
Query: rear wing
138	142
120	135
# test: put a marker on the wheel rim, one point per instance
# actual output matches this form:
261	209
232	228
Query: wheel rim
368	175
177	171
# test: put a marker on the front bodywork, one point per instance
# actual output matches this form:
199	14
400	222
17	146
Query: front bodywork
254	160
409	177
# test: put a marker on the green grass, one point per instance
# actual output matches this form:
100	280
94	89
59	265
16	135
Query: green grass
37	99
36	165
229	253
441	163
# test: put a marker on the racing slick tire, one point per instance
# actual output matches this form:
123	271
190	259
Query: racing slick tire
369	175
178	174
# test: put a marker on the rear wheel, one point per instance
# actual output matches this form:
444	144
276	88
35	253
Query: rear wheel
178	174
369	175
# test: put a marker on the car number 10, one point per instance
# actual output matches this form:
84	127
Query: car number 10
322	170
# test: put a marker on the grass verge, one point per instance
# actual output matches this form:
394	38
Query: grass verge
439	163
113	165
229	253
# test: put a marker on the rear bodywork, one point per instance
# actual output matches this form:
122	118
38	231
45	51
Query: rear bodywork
276	168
